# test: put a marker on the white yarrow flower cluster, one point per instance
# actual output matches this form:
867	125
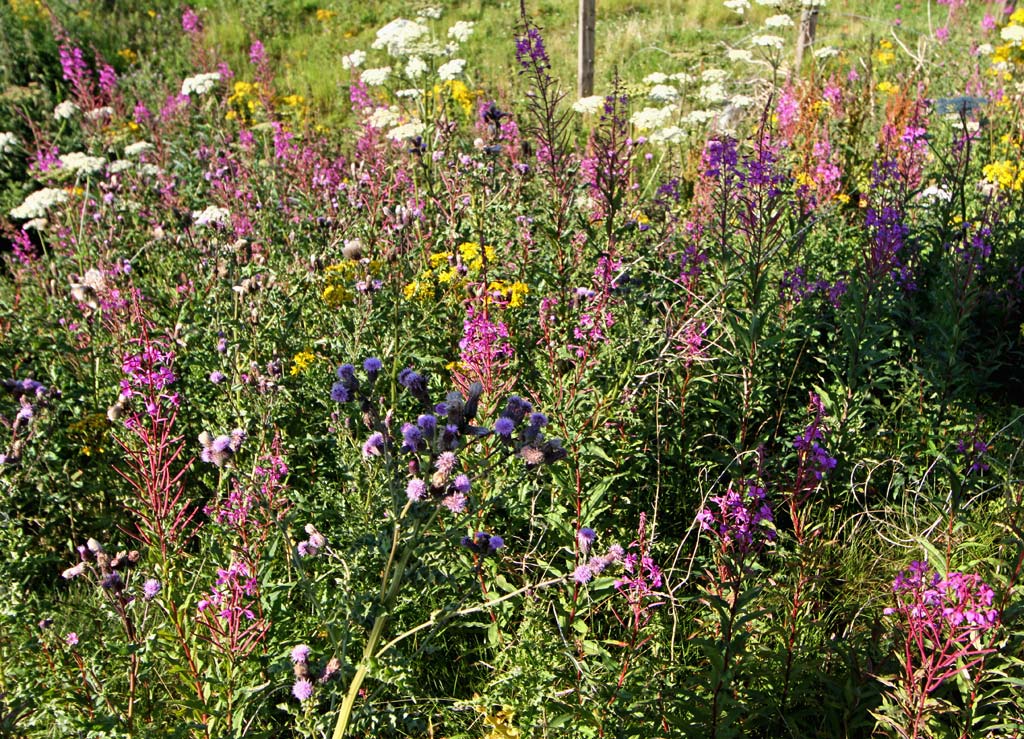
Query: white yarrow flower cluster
78	162
411	93
120	165
767	41
683	78
399	37
740	55
406	131
737	6
375	77
591	105
451	70
649	119
384	117
431	13
7	142
65	111
1014	34
137	149
461	31
656	78
353	60
669	135
96	113
415	68
769	3
826	52
211	216
713	93
664	93
699	117
38	203
934	192
200	84
778	21
714	75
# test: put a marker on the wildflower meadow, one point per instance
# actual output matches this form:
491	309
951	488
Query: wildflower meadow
358	378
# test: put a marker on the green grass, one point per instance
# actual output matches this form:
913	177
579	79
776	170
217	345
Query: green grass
633	38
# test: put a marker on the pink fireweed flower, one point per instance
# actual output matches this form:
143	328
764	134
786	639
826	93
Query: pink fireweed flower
742	521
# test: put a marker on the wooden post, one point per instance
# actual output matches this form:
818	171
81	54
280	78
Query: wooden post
807	29
585	71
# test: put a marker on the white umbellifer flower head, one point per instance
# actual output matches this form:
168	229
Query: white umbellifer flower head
353	60
120	165
664	93
461	31
406	131
699	117
826	52
38	203
713	93
375	77
739	55
767	41
737	6
669	135
78	162
211	216
139	147
769	3
451	70
813	3
150	170
778	21
1012	33
384	117
935	193
96	113
400	36
589	105
649	119
683	78
411	93
199	84
7	142
415	67
65	110
741	101
714	75
985	50
432	13
656	78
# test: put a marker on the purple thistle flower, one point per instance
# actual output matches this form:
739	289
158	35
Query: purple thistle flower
216	377
412	437
427	423
340	393
150	588
416	489
585	537
302	689
71	639
374	446
300	654
504	427
582	574
495	543
456	502
445	463
372	366
462	484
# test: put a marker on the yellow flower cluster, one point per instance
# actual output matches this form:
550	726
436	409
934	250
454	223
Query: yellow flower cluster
341	277
1007	175
459	93
887	87
29	10
884	54
511	295
243	101
301	362
1008	55
450	268
323	15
